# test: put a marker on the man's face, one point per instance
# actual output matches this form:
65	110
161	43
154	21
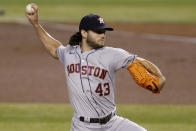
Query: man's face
96	38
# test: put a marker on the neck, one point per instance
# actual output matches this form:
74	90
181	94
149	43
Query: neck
85	47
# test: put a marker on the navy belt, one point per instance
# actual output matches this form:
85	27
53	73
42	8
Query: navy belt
103	120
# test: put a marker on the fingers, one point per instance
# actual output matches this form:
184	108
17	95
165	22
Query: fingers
35	7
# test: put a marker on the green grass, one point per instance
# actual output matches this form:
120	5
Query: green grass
57	117
162	11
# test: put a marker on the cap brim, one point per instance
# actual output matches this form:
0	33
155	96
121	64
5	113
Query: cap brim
104	27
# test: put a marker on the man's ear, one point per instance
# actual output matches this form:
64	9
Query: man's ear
84	34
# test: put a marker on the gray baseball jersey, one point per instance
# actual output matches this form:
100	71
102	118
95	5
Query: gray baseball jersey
91	77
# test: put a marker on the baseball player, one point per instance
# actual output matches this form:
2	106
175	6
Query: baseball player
90	71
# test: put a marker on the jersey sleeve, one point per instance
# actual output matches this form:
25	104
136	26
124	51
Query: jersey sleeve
122	59
61	53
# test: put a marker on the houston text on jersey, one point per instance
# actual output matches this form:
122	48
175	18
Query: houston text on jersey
87	70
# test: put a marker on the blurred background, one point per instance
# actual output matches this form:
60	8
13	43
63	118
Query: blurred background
32	85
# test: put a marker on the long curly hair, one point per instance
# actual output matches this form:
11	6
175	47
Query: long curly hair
75	39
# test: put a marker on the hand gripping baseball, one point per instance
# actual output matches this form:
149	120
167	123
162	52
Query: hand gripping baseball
33	16
143	78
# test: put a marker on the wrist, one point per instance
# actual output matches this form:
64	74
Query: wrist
36	25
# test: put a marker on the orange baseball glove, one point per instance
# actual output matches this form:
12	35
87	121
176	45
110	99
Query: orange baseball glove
143	78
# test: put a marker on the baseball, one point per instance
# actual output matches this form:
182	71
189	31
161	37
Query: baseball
29	9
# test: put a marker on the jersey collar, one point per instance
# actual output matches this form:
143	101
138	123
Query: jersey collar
78	49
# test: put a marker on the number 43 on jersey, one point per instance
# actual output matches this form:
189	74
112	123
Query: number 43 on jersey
103	89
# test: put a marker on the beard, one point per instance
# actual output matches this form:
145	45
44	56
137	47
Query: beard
92	43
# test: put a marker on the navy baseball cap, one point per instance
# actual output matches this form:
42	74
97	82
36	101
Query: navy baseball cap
93	22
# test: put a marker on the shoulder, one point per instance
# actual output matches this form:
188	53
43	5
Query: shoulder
113	50
118	53
114	54
67	48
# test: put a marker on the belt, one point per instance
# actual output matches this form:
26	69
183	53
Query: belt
103	120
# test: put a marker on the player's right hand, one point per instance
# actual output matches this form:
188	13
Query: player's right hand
33	17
